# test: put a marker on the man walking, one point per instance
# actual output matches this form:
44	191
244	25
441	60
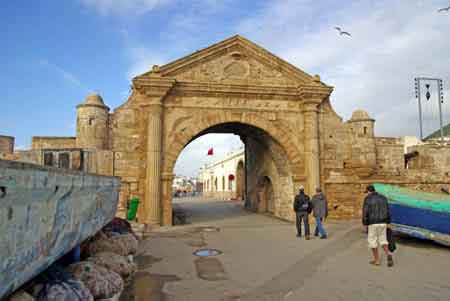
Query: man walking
302	208
376	216
320	212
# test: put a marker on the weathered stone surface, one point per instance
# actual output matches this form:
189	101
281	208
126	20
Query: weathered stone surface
6	144
44	213
52	142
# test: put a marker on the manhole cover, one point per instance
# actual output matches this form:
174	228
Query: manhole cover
207	252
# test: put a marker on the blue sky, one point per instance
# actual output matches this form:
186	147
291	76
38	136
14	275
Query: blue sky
54	52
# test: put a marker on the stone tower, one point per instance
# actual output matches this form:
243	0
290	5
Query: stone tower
92	123
6	144
363	148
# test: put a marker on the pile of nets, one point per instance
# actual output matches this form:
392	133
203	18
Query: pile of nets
124	266
101	282
106	267
58	284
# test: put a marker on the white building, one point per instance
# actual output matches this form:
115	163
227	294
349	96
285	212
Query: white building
182	185
224	178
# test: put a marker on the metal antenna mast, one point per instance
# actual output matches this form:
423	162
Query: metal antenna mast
440	89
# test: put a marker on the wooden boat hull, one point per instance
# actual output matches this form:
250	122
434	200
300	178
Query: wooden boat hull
46	212
419	218
419	214
421	233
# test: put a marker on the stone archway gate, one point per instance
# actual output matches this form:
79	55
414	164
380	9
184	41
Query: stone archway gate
234	81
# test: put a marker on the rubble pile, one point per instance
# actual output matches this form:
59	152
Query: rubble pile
107	265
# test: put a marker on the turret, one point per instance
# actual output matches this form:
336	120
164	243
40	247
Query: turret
363	148
6	144
92	123
361	124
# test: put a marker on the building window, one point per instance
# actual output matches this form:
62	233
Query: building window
223	183
91	120
365	130
48	159
64	160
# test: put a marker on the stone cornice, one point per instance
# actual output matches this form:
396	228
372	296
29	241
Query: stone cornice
153	86
167	176
85	105
314	93
361	120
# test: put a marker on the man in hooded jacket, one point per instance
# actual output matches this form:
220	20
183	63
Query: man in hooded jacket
302	208
320	212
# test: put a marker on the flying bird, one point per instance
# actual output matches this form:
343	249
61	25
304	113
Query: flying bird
445	9
341	32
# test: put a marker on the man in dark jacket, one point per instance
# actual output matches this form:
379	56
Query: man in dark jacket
302	208
320	212
376	216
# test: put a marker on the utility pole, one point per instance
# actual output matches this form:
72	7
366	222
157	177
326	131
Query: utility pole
440	89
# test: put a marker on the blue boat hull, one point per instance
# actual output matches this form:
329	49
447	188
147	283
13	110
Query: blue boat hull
420	218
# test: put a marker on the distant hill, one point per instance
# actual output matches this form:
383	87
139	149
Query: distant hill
437	134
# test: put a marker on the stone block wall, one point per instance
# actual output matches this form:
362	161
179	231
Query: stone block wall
44	213
430	156
39	142
390	154
6	144
26	156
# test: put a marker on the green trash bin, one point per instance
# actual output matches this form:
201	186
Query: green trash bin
132	209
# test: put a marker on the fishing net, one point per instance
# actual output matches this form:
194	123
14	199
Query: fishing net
101	282
114	262
57	284
121	244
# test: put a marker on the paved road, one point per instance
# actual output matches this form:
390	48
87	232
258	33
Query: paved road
263	260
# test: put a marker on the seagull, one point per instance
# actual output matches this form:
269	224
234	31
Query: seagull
445	9
341	32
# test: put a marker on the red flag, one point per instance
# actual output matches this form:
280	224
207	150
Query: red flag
210	152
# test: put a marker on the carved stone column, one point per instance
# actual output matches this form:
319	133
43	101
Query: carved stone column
154	141
167	179
151	91
311	131
312	96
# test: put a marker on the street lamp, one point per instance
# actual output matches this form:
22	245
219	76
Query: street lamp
440	90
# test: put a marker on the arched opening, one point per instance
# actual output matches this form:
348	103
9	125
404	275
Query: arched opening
263	172
265	196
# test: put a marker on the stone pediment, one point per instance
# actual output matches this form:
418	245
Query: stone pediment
234	61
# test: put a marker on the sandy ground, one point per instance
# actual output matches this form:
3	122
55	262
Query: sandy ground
263	260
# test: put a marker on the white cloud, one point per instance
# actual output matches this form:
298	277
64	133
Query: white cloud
66	75
142	7
123	7
142	59
393	41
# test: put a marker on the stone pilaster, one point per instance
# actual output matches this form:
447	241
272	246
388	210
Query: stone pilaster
167	179
151	90
311	133
312	96
154	140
